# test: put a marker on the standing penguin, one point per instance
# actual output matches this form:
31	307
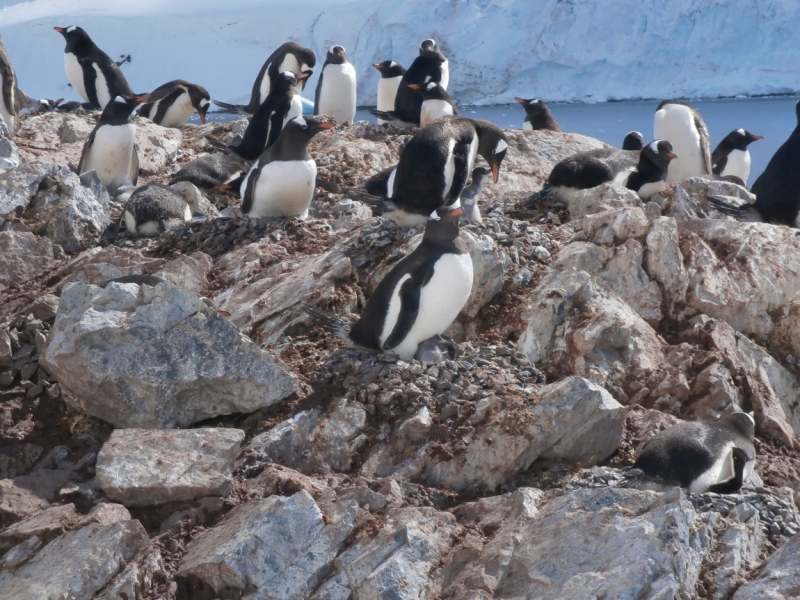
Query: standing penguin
336	88
731	157
282	181
418	299
435	165
92	73
537	115
154	208
282	105
8	90
430	65
681	125
287	57
391	74
110	149
702	457
650	176
174	103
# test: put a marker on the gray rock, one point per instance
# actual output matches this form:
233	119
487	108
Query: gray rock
158	146
612	227
19	459
74	129
276	548
664	262
138	577
28	494
139	467
489	265
601	198
740	545
779	578
161	357
9	154
19	186
23	257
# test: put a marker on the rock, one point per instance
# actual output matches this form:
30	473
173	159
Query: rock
158	146
189	273
9	154
601	198
741	545
28	494
778	578
23	257
138	577
683	207
273	548
161	357
699	188
78	563
196	200
19	186
787	331
71	214
489	265
397	563
572	421
367	156
19	460
664	262
43	308
99	265
612	227
74	129
6	350
139	467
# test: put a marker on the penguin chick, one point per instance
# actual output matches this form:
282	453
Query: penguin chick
731	158
537	115
174	103
154	208
650	176
471	193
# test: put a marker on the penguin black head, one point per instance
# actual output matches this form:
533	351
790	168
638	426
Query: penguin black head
307	60
201	99
740	139
118	111
78	41
633	141
429	49
442	225
659	153
479	174
742	422
288	80
492	145
390	68
304	128
533	106
336	55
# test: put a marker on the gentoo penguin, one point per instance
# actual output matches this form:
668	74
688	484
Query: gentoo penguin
8	90
731	157
436	102
212	170
287	57
633	141
701	457
95	77
377	185
430	65
682	126
71	105
282	181
435	165
391	74
471	193
336	88
650	176
110	149
418	299
282	105
174	103
537	115
154	208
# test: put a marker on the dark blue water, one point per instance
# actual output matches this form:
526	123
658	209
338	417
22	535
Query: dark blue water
774	118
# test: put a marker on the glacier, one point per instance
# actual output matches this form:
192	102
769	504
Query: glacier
557	50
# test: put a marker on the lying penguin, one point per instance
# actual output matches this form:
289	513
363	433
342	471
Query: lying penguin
418	299
174	103
213	170
154	208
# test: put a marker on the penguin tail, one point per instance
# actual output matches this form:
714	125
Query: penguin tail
740	212
330	322
541	199
379	205
234	109
218	144
386	115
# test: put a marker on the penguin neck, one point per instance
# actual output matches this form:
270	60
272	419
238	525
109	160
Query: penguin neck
443	239
290	147
649	171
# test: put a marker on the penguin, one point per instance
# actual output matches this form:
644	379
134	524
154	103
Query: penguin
633	141
110	149
154	208
336	88
212	170
650	176
377	185
72	105
537	115
731	157
436	102
430	65
702	457
391	74
174	103
95	77
435	165
282	181
681	125
282	105
8	90
469	197
436	349
287	57
418	299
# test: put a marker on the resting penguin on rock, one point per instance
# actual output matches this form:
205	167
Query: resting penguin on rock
537	115
212	170
701	457
731	158
287	57
154	208
282	181
681	125
418	299
174	103
110	149
436	102
336	88
92	73
391	74
8	90
650	176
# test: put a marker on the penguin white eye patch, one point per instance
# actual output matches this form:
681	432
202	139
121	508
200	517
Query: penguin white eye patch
301	121
119	99
501	146
431	85
740	131
654	147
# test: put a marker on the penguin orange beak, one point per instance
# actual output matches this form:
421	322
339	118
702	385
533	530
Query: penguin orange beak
378	66
60	30
142	98
57	102
414	86
303	77
456	212
758	137
202	114
495	172
520	100
325	126
671	155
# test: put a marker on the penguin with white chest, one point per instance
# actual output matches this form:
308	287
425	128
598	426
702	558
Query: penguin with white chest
154	208
8	90
537	115
92	73
418	299
681	125
702	457
430	65
110	150
174	103
391	74
282	181
336	88
436	102
650	176
731	158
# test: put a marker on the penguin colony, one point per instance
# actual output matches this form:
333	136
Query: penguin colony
423	294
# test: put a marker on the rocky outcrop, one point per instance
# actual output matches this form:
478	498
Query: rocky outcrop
23	256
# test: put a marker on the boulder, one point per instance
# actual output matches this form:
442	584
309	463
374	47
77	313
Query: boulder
138	577
23	257
28	494
779	578
139	467
601	198
664	262
19	186
161	357
158	146
612	227
9	154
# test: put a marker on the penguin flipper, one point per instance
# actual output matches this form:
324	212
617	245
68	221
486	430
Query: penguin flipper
461	173
235	109
338	326
705	142
135	164
318	91
89	81
391	117
86	153
250	185
410	293
745	212
540	198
